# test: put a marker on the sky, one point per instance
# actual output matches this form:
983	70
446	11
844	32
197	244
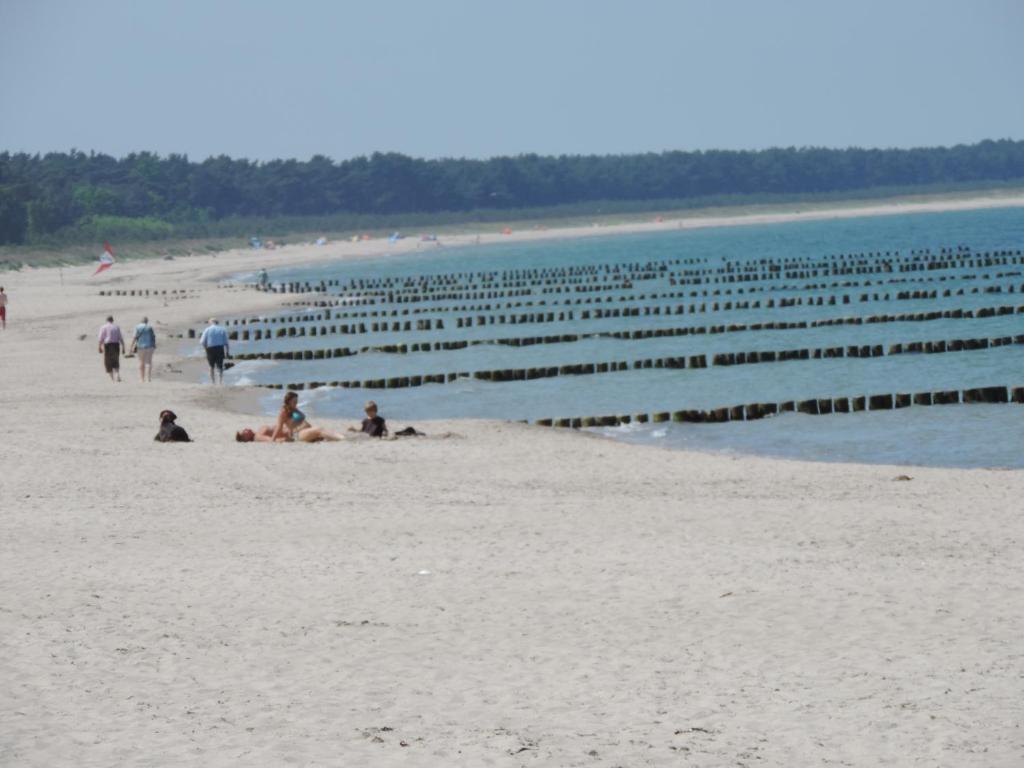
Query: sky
479	78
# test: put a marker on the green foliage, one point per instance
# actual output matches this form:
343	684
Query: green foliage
123	228
64	197
42	216
13	215
95	201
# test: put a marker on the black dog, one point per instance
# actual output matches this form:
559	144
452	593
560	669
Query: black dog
169	431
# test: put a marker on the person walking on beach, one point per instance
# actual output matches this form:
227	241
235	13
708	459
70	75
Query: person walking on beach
144	344
3	309
264	279
215	342
111	345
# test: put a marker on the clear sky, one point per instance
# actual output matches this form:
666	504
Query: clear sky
476	78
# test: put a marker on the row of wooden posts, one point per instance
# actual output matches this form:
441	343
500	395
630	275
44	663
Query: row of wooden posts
945	258
653	296
877	267
148	292
631	269
705	293
812	407
677	362
544	287
307	328
258	334
734	271
512	318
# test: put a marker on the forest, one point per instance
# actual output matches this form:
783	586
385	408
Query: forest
80	197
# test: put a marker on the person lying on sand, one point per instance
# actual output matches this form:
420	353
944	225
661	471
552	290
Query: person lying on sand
264	434
292	424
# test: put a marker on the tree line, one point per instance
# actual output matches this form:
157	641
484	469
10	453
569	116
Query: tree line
77	195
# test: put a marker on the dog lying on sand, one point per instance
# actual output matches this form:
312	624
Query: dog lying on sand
169	431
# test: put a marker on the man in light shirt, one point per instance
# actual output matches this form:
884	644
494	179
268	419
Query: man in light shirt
111	346
215	342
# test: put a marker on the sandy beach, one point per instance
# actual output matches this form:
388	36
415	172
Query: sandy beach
506	595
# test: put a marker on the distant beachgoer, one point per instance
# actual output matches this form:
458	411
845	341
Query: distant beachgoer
3	308
264	279
111	345
144	343
215	342
292	424
373	425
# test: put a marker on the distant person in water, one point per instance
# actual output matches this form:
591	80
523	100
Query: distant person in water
373	425
215	341
111	346
144	344
3	308
264	279
292	424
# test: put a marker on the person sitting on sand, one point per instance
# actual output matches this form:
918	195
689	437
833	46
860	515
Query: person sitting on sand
373	425
292	424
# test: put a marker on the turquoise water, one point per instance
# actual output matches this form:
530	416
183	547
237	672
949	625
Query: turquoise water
963	435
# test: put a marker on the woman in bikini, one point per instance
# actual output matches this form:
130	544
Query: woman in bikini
291	426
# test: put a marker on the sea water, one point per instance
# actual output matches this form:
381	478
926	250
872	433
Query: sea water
961	435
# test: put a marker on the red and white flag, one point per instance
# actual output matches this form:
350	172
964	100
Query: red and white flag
106	259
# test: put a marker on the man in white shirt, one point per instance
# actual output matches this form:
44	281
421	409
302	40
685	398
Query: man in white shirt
111	346
215	342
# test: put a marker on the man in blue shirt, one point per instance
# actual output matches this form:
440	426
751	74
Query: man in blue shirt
215	342
143	344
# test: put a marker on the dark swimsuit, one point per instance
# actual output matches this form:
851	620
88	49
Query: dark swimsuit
374	427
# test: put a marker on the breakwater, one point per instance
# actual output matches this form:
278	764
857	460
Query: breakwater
810	407
865	351
698	321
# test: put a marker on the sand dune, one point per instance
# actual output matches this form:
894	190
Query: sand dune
511	596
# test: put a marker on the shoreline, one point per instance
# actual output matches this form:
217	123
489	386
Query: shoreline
512	591
209	271
697	219
578	225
